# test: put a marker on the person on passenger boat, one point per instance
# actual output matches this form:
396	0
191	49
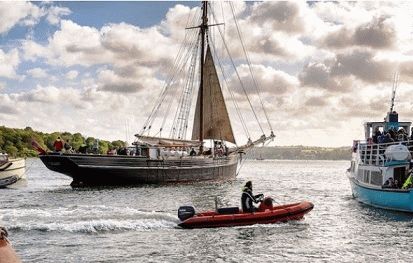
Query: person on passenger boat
401	135
393	134
247	198
376	135
409	182
389	183
388	138
396	184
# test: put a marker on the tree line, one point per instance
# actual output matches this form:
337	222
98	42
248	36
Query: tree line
300	153
18	142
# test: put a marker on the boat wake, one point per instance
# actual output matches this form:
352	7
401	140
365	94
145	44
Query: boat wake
81	220
95	226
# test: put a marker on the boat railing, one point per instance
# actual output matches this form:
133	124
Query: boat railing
373	153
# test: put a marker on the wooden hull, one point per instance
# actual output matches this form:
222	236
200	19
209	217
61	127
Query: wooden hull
95	170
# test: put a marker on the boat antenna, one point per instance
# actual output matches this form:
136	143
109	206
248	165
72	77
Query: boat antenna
396	77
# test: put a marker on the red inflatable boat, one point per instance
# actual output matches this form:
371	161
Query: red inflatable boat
232	216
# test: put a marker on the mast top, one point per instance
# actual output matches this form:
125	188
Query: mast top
395	84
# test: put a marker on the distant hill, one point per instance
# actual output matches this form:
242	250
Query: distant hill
17	142
300	153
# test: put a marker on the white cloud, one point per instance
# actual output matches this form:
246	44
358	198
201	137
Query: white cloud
13	12
9	63
72	74
323	67
2	85
55	13
37	73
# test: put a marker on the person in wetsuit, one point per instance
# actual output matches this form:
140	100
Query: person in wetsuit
247	198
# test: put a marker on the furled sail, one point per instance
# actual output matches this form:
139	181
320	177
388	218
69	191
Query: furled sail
216	123
166	142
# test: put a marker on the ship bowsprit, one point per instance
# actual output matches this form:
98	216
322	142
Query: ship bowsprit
90	170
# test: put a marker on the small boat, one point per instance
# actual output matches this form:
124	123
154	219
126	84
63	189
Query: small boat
232	216
7	253
11	170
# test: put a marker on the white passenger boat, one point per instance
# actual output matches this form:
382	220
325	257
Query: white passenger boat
381	167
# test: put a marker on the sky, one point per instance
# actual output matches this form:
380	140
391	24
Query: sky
97	68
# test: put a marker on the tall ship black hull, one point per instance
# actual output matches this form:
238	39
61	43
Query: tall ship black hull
210	152
98	170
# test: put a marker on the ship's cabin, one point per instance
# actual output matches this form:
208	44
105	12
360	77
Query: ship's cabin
390	122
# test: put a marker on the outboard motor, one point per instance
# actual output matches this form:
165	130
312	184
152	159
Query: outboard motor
266	204
185	212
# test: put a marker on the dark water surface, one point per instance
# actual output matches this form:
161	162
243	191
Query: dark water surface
50	222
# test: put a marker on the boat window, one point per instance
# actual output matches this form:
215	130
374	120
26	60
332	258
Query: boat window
360	174
352	166
366	176
376	178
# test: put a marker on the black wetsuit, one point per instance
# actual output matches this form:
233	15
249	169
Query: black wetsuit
246	200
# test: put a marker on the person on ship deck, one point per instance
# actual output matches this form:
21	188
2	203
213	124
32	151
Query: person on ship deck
58	144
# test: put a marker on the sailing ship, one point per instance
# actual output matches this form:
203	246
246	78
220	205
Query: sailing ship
380	171
210	154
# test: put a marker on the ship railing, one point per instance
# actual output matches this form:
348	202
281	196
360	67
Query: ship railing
373	153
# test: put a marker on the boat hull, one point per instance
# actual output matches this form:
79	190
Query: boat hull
278	214
12	171
95	170
392	199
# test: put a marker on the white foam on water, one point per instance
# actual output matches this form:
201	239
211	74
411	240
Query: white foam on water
94	226
82	212
87	219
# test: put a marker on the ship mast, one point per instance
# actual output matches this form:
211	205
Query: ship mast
395	83
203	31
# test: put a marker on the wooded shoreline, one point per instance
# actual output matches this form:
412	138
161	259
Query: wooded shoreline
17	142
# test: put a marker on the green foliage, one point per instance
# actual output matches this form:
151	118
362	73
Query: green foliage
17	142
103	147
118	144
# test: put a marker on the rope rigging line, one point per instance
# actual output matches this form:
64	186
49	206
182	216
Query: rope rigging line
163	94
187	102
171	73
249	66
182	111
239	78
215	55
237	109
171	98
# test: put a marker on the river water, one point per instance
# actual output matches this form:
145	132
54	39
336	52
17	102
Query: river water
48	221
